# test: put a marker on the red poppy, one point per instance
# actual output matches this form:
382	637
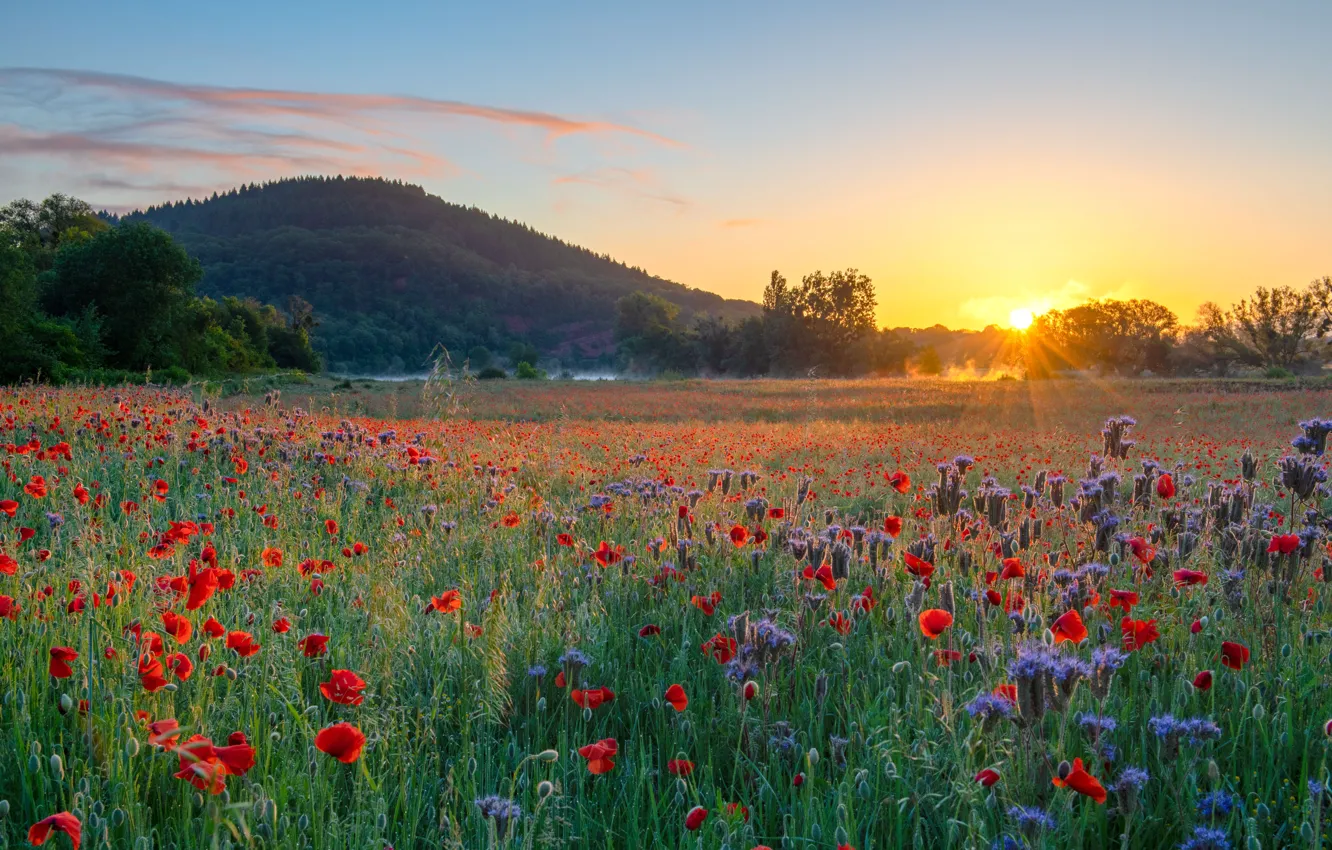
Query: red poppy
1165	486
8	566
59	667
1012	569
1081	781
206	766
1189	578
900	481
945	657
564	539
606	556
8	507
695	818
343	687
739	534
271	557
676	697
893	525
1125	599
446	603
213	629
1069	627
152	675
1006	691
1234	655
60	822
180	664
1142	550
511	520
243	643
776	513
202	583
1137	633
164	733
987	777
679	767
592	697
176	626
934	622
281	625
706	604
720	647
840	623
1284	544
1203	681
600	756
649	630
331	526
917	566
313	645
865	601
342	741
823	575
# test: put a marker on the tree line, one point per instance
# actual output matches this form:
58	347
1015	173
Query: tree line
81	299
826	326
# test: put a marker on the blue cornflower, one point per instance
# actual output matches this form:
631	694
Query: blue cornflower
1206	839
987	705
1031	818
1096	724
575	656
1130	777
1217	804
1108	657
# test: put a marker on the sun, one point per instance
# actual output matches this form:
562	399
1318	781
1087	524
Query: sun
1021	318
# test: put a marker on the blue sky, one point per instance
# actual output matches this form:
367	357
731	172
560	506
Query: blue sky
971	158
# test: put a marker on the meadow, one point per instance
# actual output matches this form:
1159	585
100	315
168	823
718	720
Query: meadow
736	615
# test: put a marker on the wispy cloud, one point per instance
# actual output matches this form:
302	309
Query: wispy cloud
638	183
738	223
105	129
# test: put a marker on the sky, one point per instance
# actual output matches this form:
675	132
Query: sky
972	158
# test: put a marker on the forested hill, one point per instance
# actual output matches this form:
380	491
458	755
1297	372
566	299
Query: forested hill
391	271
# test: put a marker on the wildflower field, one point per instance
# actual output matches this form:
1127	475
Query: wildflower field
706	615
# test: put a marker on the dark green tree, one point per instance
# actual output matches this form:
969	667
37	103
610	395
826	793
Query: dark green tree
139	282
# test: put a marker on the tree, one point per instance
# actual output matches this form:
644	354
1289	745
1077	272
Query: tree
648	338
1125	337
928	362
838	310
1275	328
137	280
41	229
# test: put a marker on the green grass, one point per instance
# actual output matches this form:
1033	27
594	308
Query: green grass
452	716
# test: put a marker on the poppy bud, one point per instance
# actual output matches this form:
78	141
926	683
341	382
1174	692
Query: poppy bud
695	818
799	778
1064	770
545	789
57	767
548	756
1196	627
813	756
750	690
1327	728
66	704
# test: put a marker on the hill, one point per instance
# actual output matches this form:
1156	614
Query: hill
391	271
